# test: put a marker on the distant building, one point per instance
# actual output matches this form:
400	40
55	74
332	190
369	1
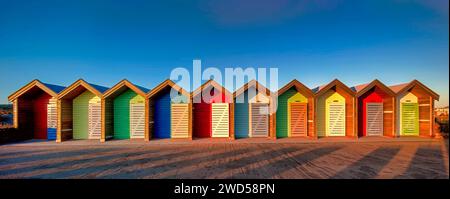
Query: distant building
443	111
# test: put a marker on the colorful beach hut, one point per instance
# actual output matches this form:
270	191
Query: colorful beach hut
414	109
296	111
124	111
376	109
213	111
34	107
335	110
170	112
79	111
252	111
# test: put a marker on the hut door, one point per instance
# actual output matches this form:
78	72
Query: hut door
220	120
137	119
374	121
298	119
410	119
179	121
336	119
94	120
51	119
259	120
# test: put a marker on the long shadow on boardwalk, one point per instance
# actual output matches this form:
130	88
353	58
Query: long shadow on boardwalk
370	165
53	155
289	162
231	164
68	163
2	155
152	170
428	162
113	165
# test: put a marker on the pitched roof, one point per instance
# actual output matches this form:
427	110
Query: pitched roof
101	89
250	84
358	88
55	88
96	89
167	83
363	88
122	85
211	83
297	84
398	89
50	89
323	88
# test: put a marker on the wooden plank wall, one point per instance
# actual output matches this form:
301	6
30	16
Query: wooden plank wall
66	120
388	116
349	112
311	118
15	114
25	115
425	112
109	118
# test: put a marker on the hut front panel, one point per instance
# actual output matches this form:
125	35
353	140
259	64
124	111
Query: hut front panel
51	119
259	119
282	113
109	118
321	116
241	120
298	115
122	114
241	125
335	115
220	119
180	120
137	117
161	120
81	115
409	115
40	115
374	119
298	124
66	119
202	120
25	115
95	118
370	115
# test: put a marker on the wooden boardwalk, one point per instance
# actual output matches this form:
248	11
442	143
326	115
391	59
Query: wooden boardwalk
223	159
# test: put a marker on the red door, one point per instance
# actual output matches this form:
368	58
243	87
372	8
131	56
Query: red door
40	116
370	97
202	120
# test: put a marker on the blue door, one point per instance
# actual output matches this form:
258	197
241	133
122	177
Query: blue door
162	115
241	126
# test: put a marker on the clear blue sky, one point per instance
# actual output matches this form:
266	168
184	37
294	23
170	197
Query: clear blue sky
314	41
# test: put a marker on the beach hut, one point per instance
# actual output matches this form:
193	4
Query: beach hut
124	111
79	111
414	109
252	114
376	109
335	110
295	112
170	112
34	107
213	111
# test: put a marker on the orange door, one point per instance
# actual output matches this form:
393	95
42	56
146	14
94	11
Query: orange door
298	119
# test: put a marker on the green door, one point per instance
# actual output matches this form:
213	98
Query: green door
410	119
122	114
80	115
